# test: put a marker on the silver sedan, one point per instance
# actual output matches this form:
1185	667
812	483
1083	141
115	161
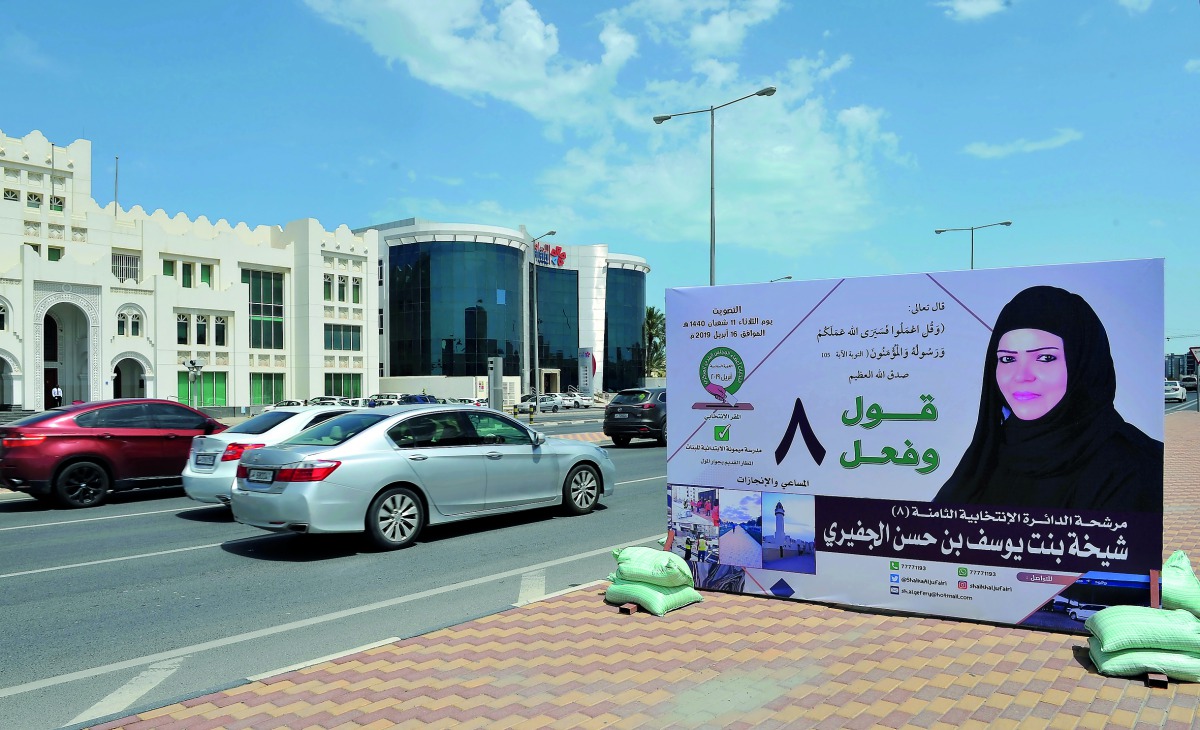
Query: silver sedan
391	471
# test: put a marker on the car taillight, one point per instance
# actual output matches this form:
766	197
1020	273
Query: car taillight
242	472
12	442
233	452
648	406
308	472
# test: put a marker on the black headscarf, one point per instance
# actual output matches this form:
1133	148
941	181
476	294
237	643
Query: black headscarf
1081	454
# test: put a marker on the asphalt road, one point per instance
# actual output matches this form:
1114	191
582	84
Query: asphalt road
1176	406
151	597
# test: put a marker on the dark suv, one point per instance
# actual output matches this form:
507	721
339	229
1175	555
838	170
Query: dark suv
637	413
77	454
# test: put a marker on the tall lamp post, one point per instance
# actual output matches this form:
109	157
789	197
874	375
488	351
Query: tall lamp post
537	371
972	229
712	172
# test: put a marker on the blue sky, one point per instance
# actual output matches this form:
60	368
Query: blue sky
1075	120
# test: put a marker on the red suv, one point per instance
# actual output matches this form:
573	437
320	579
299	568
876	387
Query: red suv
78	454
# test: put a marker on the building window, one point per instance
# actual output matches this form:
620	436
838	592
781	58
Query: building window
327	290
379	269
169	268
356	291
206	274
343	337
266	308
185	269
219	331
3	317
122	322
381	323
347	385
266	388
33	200
201	329
12	195
54	253
127	266
207	390
57	202
135	325
35	246
341	288
182	329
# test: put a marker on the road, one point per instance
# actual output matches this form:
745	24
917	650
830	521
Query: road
151	597
1175	406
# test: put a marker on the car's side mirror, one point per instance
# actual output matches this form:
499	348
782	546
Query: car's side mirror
209	427
539	438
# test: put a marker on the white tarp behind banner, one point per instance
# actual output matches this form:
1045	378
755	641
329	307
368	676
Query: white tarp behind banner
871	441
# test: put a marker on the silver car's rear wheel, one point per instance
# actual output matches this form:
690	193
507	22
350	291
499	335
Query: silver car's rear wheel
582	490
395	518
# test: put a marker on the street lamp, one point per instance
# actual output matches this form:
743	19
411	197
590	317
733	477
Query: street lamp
972	229
712	172
537	371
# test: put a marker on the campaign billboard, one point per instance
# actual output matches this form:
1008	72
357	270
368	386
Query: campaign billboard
980	444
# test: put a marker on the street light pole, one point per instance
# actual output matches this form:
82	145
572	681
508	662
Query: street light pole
972	229
712	171
537	371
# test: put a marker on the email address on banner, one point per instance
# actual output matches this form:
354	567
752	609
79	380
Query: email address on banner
935	594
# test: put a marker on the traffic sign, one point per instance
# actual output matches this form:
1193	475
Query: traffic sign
1195	354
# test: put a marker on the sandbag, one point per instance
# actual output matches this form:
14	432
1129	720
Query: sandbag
1120	628
1179	665
1180	588
657	567
658	600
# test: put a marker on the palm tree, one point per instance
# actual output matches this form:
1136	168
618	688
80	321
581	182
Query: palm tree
654	335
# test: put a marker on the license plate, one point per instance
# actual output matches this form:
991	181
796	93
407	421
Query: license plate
620	415
206	459
262	476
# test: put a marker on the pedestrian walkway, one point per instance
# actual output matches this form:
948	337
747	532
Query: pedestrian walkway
732	661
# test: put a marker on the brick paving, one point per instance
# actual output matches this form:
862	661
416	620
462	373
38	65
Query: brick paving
730	662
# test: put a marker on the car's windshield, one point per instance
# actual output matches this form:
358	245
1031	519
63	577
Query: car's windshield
636	396
261	423
335	430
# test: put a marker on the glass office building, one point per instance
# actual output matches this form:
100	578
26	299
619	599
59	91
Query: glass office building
455	295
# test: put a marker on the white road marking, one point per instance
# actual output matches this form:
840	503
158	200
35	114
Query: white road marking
109	517
305	623
532	585
563	592
319	660
132	691
118	560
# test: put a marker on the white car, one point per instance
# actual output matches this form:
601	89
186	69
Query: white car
281	404
212	463
550	402
1172	390
576	400
1083	613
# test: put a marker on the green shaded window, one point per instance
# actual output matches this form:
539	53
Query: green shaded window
208	389
168	268
341	288
346	385
219	331
266	388
343	337
54	253
266	309
187	275
206	274
201	329
183	325
356	291
328	289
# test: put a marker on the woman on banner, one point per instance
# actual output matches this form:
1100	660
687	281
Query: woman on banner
1048	434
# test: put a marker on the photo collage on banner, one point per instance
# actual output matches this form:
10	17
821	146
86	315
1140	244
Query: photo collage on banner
981	444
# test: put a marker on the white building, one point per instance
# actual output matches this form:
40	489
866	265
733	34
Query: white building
108	302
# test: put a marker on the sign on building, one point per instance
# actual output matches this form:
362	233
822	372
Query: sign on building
981	444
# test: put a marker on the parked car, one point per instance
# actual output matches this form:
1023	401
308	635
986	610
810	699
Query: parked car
1172	390
78	454
1188	382
547	402
281	404
576	400
1083	613
637	413
212	463
477	402
326	400
389	472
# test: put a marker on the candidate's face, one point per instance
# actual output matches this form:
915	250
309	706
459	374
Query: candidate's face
1031	372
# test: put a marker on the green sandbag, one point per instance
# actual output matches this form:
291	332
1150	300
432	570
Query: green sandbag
1180	589
1179	665
657	567
1120	628
658	600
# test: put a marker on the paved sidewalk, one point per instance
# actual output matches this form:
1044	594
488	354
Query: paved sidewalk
732	661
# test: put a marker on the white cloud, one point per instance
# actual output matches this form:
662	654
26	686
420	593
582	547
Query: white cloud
1135	6
19	49
1192	66
789	168
969	10
1022	146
